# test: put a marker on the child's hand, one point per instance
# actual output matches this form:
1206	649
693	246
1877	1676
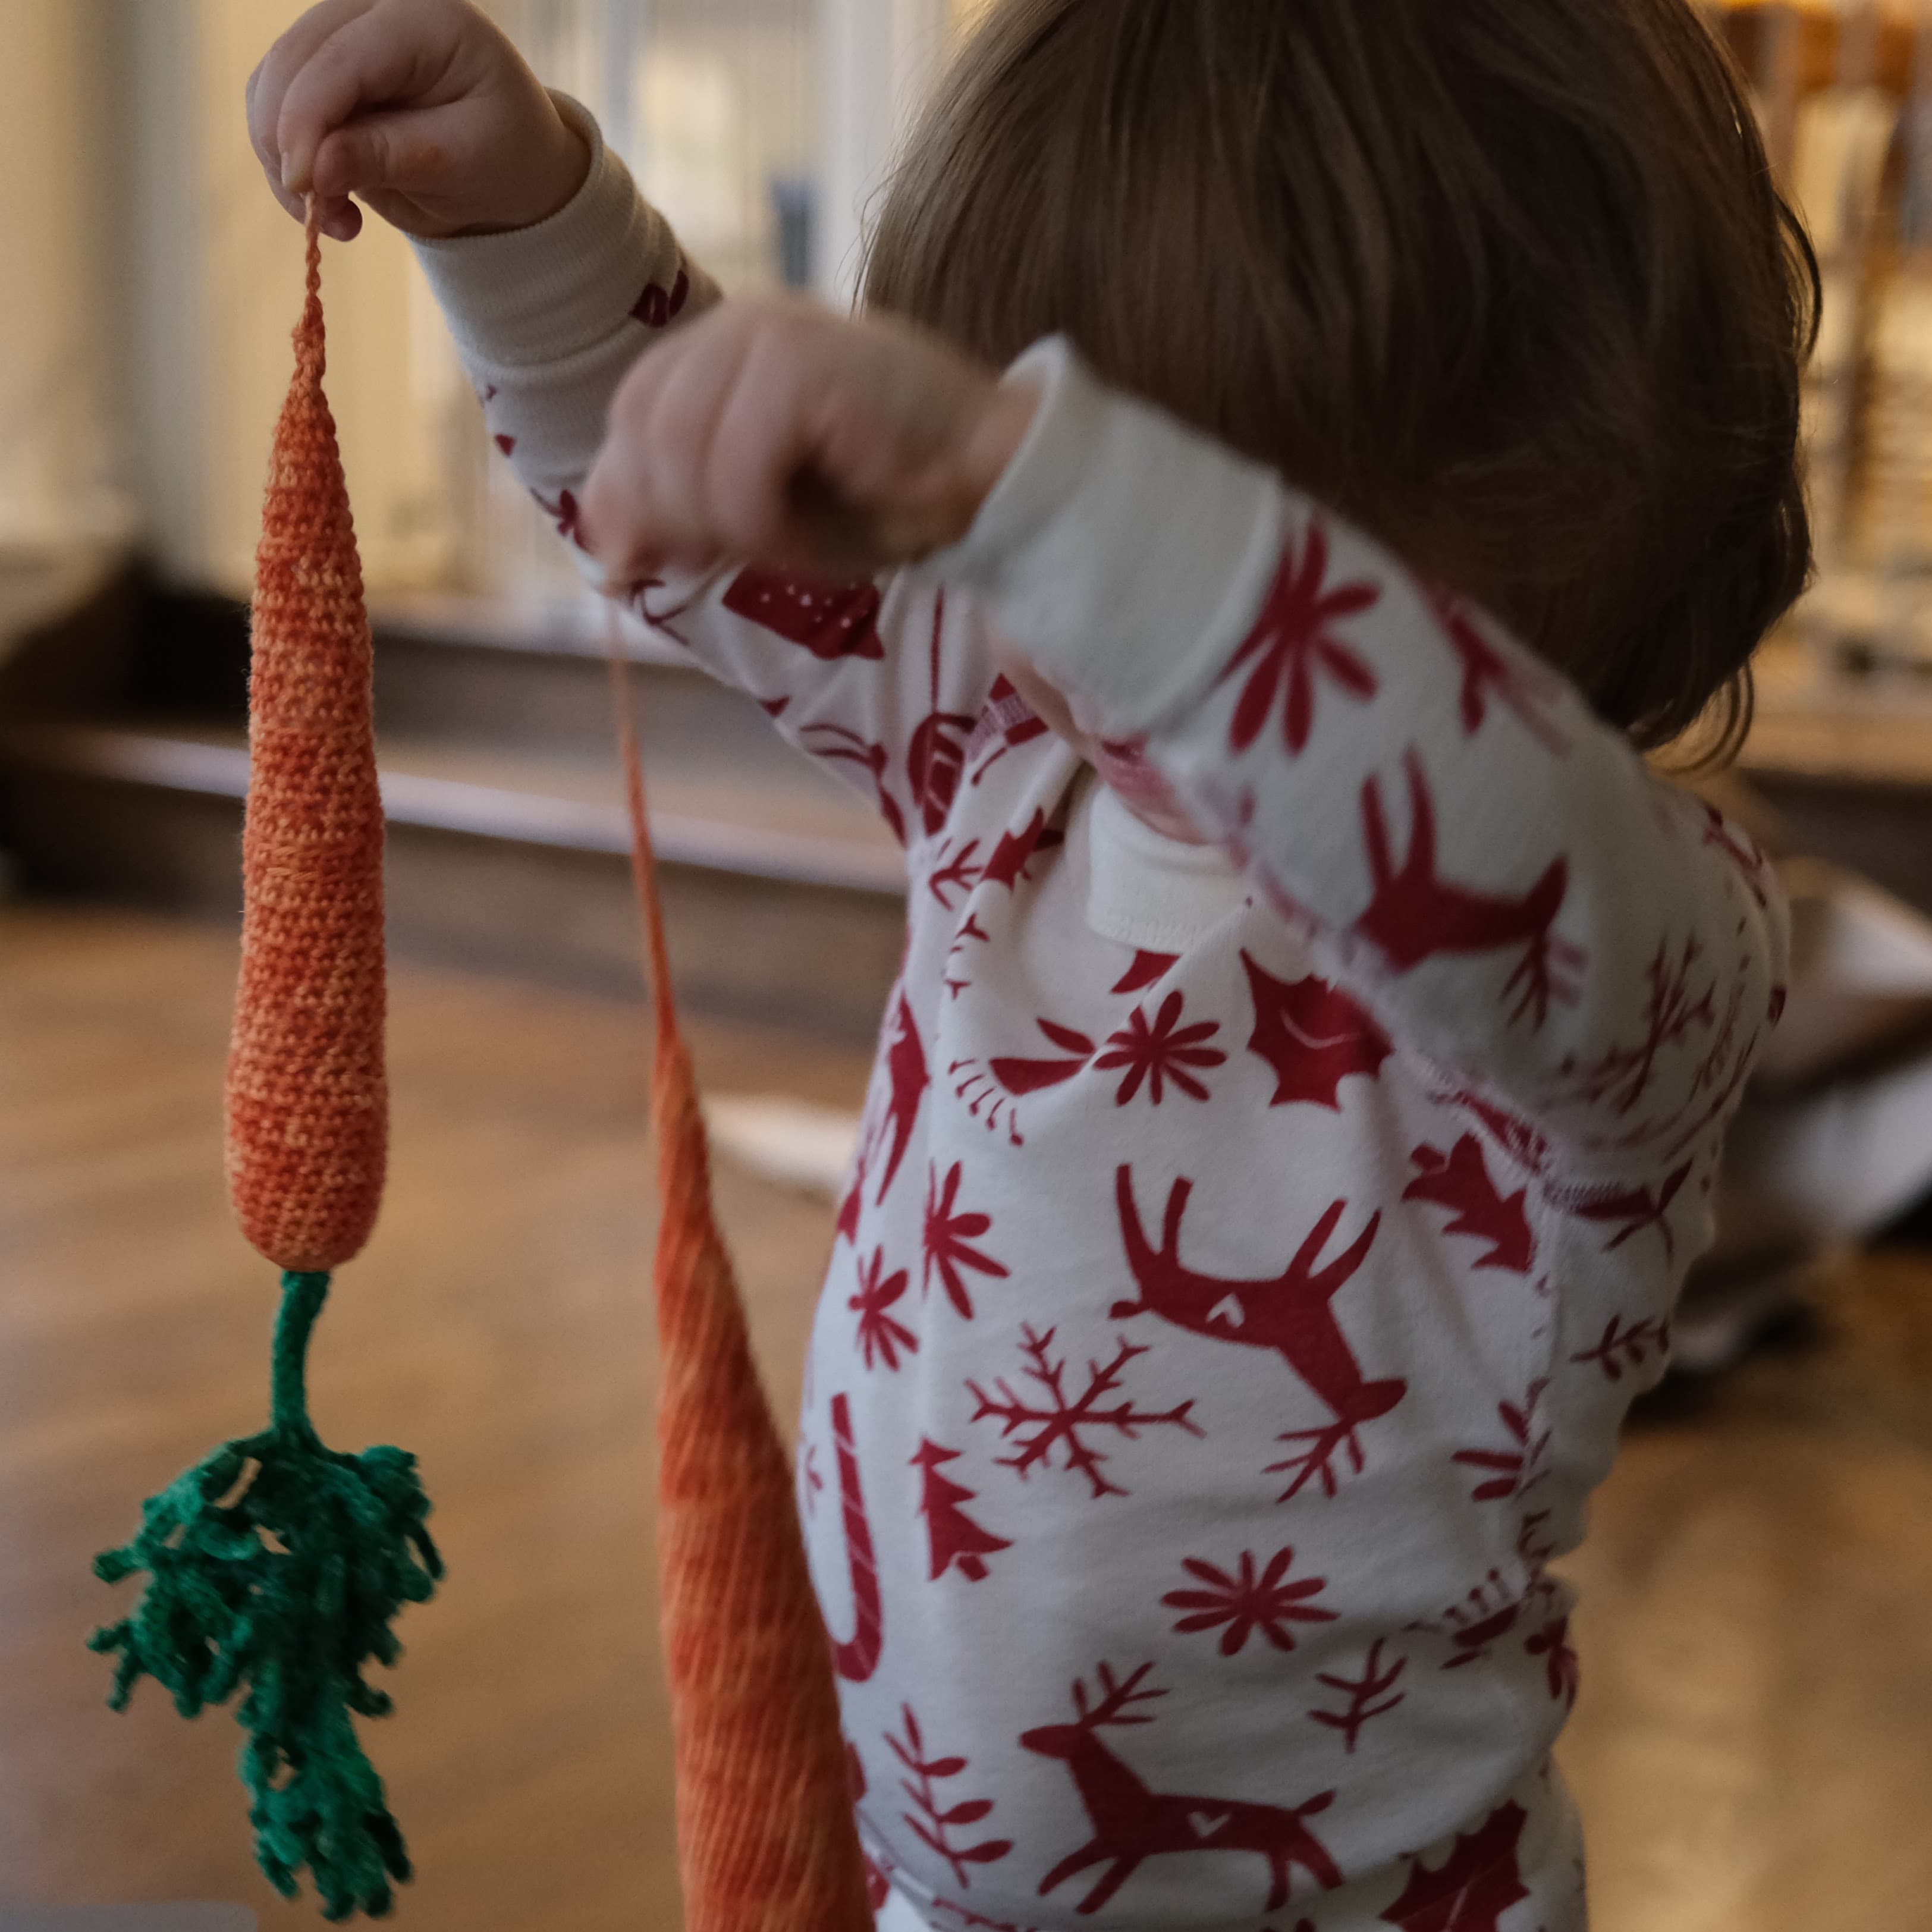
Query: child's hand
779	432
421	107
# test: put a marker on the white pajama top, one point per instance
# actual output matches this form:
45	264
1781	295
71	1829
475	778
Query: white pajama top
1253	1248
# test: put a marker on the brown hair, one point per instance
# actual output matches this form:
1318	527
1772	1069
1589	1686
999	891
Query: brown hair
1507	282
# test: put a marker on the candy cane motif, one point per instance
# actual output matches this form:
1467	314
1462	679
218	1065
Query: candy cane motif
859	1657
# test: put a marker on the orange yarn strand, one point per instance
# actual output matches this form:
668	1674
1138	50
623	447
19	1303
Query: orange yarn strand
308	1098
766	1838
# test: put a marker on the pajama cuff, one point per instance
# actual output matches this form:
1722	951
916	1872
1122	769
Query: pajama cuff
1124	554
542	293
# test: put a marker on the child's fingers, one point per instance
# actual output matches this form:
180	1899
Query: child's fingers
366	62
269	83
762	442
401	151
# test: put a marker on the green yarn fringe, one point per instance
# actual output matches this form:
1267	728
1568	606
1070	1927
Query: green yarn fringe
286	1586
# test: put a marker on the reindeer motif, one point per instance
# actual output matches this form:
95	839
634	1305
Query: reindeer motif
1416	914
1132	1824
1292	1312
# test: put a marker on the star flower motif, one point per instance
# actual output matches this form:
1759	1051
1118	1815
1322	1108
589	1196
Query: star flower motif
1248	1602
1292	645
949	1238
1161	1051
878	1332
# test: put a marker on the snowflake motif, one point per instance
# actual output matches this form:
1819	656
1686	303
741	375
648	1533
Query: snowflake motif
1064	1424
948	1239
1160	1052
1248	1603
1292	645
878	1330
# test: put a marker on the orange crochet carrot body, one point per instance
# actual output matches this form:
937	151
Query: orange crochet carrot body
766	1838
276	1565
308	1101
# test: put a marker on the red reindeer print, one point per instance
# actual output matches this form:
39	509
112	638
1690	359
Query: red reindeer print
1132	1823
1524	687
1552	1643
1149	969
1313	1035
948	1240
935	1819
1370	1695
1292	1313
907	1079
879	1333
836	742
565	514
657	306
1630	1210
1624	1349
1459	1180
1517	1469
1161	1051
1248	1601
832	621
954	1541
1293	644
1053	1421
1473	1887
856	1659
1415	915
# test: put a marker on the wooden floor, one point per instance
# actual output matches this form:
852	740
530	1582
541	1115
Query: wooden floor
1753	1748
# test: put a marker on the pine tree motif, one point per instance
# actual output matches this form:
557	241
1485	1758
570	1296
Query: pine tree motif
1460	1179
935	1819
954	1540
1159	1050
948	1241
1368	1695
1051	1420
878	1332
1514	1469
1293	644
1624	1349
1248	1601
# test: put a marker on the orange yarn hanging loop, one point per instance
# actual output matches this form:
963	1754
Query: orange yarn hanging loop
286	1586
766	1839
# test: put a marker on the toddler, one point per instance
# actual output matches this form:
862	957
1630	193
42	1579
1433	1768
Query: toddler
1293	457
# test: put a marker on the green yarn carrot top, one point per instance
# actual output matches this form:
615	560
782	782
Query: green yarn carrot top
278	1563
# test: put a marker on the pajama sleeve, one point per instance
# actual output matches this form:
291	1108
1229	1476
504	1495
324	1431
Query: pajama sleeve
880	681
1575	945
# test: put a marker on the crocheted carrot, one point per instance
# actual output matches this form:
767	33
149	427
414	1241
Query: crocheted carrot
766	1836
288	1586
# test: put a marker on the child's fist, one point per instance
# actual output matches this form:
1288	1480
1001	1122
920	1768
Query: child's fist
422	108
779	432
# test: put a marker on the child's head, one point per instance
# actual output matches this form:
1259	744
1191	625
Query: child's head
1506	281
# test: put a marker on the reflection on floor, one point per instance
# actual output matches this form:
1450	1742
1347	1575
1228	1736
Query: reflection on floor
1753	1748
